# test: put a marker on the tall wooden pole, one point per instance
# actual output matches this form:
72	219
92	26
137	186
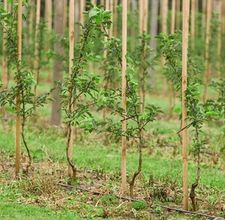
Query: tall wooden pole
164	15
37	43
207	41
82	8
173	16
18	119
71	58
145	19
124	100
141	6
219	36
4	51
186	8
193	11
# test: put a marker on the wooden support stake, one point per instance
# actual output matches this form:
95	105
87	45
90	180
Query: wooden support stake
164	15
173	16
37	46
18	118
193	4
207	41
82	8
219	37
71	58
4	51
186	8
124	100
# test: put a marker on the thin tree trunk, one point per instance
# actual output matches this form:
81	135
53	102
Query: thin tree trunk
207	41
124	100
18	118
65	19
58	64
48	15
4	51
48	20
178	22
37	46
186	7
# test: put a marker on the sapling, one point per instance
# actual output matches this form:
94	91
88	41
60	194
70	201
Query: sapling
19	96
137	120
79	90
170	46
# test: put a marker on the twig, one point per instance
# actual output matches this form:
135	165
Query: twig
97	193
211	217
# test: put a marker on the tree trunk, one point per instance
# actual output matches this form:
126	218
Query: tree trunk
153	32
58	64
186	7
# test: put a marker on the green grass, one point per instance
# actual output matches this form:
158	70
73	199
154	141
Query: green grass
96	156
10	211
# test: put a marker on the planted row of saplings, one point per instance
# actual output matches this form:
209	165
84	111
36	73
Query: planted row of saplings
81	91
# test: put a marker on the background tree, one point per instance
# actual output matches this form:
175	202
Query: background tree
58	62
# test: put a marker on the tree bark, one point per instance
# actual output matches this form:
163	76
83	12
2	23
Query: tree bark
58	63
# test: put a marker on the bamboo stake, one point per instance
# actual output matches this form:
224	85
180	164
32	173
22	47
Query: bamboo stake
164	14
115	3
219	37
171	89
31	18
18	118
145	17
207	41
71	58
37	46
124	100
186	8
4	50
193	10
141	17
173	16
82	8
94	2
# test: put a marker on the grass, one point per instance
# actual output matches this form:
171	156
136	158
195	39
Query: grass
49	143
21	212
